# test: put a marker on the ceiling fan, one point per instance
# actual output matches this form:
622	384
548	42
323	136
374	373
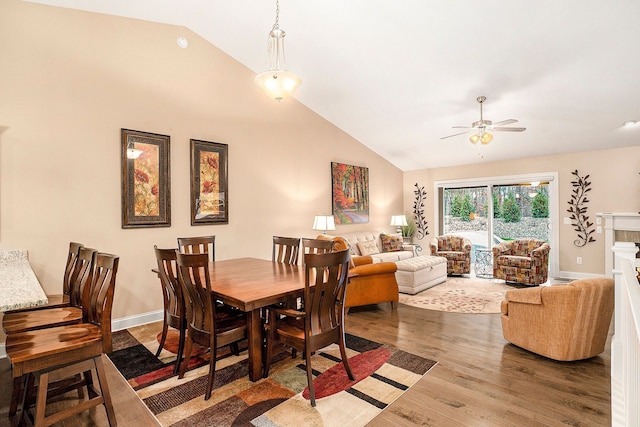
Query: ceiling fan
482	127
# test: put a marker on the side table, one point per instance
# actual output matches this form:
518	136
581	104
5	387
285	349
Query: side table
484	263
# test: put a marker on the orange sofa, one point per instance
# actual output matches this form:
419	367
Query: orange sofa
369	282
562	322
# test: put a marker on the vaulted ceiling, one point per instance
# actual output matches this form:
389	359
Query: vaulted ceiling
397	76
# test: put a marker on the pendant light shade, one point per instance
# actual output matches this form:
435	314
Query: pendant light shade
276	82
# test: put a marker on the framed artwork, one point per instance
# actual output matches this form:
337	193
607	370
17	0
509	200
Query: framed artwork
209	183
146	183
350	193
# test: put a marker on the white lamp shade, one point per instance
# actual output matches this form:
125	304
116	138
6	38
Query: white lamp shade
324	223
399	220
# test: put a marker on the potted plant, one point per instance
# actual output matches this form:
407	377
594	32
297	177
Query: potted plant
409	229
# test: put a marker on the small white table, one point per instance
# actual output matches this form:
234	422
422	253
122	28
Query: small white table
484	263
19	286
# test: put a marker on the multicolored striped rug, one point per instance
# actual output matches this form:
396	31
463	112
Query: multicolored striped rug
382	374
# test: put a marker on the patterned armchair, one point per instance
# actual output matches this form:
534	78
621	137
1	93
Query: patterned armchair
523	261
457	251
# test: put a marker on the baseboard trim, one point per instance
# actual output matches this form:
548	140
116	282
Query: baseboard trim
136	320
118	324
572	275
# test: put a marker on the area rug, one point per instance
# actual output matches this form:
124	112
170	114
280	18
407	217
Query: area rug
461	295
382	374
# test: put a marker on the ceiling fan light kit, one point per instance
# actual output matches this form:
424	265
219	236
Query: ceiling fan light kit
482	127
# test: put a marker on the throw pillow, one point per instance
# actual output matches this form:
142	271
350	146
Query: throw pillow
368	248
391	243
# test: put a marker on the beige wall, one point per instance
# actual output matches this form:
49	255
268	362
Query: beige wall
615	187
70	80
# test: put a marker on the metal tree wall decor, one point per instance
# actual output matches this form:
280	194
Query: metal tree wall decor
579	217
422	226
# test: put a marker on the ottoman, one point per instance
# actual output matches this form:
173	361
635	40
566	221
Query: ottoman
417	274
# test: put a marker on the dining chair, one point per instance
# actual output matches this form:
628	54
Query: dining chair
286	250
17	322
316	246
198	245
59	300
173	299
321	322
20	321
77	348
205	325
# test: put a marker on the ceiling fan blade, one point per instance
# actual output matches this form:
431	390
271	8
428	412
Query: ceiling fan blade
463	127
503	129
455	134
505	122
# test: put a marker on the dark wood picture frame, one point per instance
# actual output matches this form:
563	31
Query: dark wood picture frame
146	180
209	183
350	193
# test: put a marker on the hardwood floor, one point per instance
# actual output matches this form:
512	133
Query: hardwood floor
480	379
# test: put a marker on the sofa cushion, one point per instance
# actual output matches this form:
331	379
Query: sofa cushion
363	236
391	242
368	248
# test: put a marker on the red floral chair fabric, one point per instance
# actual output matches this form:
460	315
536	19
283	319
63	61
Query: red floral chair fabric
523	261
457	251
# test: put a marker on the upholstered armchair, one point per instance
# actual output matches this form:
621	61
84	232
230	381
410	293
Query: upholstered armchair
369	283
562	322
523	261
457	251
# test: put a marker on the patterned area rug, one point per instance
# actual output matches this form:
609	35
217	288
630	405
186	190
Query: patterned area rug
382	374
461	295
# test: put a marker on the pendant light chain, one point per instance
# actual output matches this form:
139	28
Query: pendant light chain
276	25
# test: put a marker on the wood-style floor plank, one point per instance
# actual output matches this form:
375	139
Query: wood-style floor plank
480	379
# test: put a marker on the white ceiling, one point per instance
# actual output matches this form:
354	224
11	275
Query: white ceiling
398	75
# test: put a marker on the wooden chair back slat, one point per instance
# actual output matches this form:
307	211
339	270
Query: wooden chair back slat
316	246
81	275
74	249
198	245
286	250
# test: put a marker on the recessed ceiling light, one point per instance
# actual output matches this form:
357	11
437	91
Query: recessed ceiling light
630	123
182	42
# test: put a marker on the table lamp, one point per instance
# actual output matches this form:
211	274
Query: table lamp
324	223
399	221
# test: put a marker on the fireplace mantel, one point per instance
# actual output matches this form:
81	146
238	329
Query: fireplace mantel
617	222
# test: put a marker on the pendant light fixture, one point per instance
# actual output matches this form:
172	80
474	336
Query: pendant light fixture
276	82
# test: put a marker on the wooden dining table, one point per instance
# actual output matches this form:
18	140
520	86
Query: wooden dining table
251	284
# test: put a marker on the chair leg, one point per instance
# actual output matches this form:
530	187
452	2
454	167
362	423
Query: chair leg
212	373
187	356
182	338
234	348
163	338
345	359
19	385
268	356
312	394
41	399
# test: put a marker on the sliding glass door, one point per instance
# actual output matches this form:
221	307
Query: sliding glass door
491	210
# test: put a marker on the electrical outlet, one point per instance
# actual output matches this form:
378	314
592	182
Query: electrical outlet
599	229
567	220
579	260
598	220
